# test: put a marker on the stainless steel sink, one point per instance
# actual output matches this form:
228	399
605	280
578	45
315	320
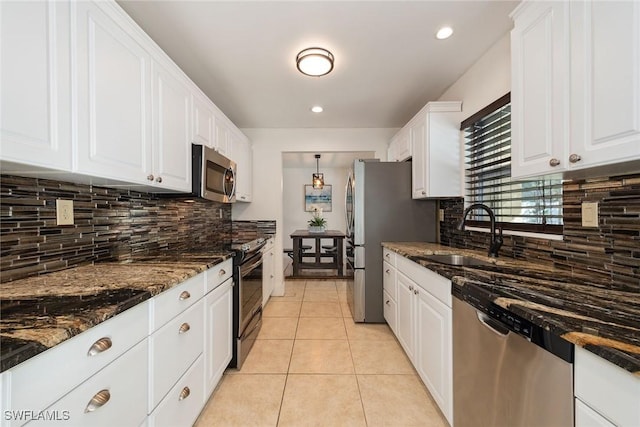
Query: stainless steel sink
453	259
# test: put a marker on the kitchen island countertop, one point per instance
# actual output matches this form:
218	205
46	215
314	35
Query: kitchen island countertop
40	312
580	309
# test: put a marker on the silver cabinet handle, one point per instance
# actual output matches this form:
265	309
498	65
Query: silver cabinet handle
410	287
222	272
574	158
387	271
386	256
388	302
415	292
184	393
424	193
184	295
103	344
184	328
159	179
150	177
554	162
98	400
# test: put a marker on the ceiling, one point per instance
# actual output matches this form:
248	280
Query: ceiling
388	63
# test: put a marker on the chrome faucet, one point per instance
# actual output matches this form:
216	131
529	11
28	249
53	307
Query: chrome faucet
496	240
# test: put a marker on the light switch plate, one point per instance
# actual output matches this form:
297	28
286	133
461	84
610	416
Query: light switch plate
64	212
590	214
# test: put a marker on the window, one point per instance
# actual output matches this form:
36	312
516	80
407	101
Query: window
529	205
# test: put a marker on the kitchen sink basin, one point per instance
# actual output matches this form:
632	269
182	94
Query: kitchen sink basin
453	259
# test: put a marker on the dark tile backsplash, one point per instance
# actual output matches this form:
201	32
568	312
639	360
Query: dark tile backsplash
610	251
110	224
245	231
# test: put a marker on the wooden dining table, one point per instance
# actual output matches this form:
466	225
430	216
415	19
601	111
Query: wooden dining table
337	258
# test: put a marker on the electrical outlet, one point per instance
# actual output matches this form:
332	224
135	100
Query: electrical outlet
589	214
64	212
440	214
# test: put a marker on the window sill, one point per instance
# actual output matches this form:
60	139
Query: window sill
519	233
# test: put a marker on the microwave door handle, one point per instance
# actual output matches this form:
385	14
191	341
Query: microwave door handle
233	187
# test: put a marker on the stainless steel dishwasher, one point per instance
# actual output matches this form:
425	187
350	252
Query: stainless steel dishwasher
507	371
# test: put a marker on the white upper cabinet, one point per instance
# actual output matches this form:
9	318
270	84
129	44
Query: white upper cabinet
203	120
171	128
575	85
35	85
242	154
400	146
222	132
434	136
114	98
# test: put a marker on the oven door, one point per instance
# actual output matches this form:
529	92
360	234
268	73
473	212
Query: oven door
250	290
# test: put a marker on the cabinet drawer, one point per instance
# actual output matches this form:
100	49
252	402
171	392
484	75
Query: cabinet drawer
218	274
389	310
389	280
182	405
115	396
389	256
173	349
45	378
170	303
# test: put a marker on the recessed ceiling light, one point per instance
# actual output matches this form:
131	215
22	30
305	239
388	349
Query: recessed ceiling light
444	33
317	109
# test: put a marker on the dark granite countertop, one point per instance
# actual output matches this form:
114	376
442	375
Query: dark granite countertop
40	312
577	308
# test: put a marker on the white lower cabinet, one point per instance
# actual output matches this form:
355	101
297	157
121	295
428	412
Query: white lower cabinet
609	391
268	271
182	404
218	334
172	349
424	327
125	372
115	396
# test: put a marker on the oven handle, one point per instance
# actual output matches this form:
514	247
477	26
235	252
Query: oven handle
248	268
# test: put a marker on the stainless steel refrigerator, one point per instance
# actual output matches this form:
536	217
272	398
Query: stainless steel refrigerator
380	209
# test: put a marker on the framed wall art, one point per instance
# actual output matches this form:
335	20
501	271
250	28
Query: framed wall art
317	199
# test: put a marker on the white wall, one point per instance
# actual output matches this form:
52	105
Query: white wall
294	215
485	81
268	184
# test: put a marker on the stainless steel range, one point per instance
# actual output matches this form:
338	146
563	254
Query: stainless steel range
247	298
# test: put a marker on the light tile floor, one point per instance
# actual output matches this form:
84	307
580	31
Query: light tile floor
313	366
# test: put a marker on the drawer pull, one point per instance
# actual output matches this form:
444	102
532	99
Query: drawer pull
98	401
387	271
103	344
184	295
184	393
184	328
388	302
222	272
386	255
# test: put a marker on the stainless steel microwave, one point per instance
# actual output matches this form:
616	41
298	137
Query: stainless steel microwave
213	175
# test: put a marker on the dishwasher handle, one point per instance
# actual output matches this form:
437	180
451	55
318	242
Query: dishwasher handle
492	324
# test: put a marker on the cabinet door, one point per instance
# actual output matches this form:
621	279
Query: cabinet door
418	138
268	275
218	334
203	121
222	136
171	147
433	356
406	315
605	89
114	97
35	111
403	146
243	156
539	88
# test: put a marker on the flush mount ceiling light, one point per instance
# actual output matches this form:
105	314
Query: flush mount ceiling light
315	61
444	33
318	178
317	109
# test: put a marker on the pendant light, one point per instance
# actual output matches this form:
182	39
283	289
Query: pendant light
318	178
